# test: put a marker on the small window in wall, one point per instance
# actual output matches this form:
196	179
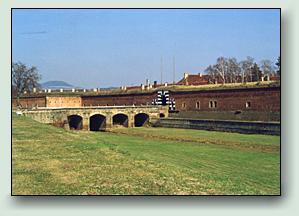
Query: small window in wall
197	105
212	104
183	105
248	104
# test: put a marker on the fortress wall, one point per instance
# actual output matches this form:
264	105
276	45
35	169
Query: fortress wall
118	100
260	99
64	101
30	102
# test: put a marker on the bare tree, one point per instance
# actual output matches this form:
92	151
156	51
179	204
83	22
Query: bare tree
229	70
246	66
226	70
233	70
267	67
24	79
212	72
278	66
221	68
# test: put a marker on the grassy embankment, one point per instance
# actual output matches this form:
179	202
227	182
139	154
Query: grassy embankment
174	88
49	160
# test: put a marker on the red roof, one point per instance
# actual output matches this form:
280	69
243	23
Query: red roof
274	78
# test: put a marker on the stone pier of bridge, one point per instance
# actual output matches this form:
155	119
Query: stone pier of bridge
98	118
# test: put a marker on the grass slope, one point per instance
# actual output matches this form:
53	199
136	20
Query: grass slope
49	160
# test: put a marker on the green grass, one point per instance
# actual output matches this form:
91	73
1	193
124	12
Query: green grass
49	160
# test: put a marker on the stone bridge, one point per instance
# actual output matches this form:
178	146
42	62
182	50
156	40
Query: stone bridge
98	118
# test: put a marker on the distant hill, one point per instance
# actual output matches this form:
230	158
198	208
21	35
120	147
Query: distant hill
109	88
56	85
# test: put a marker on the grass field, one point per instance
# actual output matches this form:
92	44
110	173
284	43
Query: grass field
49	160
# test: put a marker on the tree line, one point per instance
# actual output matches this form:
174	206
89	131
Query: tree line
229	70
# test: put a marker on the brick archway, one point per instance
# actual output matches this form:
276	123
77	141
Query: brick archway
97	122
120	119
141	119
75	122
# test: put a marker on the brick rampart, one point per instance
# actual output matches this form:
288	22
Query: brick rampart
29	102
118	100
251	99
261	99
64	101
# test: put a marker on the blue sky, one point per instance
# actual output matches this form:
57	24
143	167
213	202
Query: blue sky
102	48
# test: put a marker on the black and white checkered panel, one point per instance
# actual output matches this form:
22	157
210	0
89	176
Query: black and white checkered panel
172	105
168	101
154	102
161	94
166	94
159	97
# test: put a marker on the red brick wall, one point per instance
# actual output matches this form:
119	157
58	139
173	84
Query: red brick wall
29	102
111	100
262	99
64	101
43	101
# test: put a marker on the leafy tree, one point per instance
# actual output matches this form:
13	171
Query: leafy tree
24	78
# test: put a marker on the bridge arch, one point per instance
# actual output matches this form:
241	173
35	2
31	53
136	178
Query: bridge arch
120	119
141	119
75	122
97	122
